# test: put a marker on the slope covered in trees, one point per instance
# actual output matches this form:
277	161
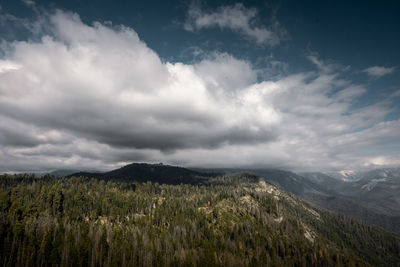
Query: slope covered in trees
143	172
234	220
379	206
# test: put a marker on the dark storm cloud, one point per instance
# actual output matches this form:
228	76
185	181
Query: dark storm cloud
15	138
108	124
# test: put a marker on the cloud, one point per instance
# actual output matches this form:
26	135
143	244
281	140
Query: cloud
225	73
96	97
6	66
104	84
237	18
28	2
377	71
327	66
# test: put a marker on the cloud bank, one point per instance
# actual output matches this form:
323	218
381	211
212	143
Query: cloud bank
96	97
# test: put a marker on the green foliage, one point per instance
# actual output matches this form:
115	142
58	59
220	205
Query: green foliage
227	221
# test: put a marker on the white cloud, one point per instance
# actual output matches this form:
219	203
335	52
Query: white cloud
379	162
28	2
237	18
226	73
96	97
106	85
327	66
378	71
6	65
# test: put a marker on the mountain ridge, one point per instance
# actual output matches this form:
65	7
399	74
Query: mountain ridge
143	172
324	191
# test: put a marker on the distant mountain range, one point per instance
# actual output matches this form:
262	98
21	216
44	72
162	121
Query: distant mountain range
379	188
372	196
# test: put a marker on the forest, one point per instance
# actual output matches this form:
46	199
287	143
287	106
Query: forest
230	220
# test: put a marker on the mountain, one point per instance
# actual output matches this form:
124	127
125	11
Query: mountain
367	181
229	220
378	188
324	180
143	172
337	193
62	173
372	196
369	196
345	175
292	182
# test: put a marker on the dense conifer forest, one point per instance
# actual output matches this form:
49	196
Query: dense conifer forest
231	220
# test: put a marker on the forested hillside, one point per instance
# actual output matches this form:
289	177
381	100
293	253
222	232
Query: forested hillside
366	200
233	220
143	172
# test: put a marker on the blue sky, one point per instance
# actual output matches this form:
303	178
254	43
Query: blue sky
298	85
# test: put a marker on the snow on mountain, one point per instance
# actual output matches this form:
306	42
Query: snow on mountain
373	183
344	175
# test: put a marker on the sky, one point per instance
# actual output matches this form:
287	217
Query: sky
298	85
